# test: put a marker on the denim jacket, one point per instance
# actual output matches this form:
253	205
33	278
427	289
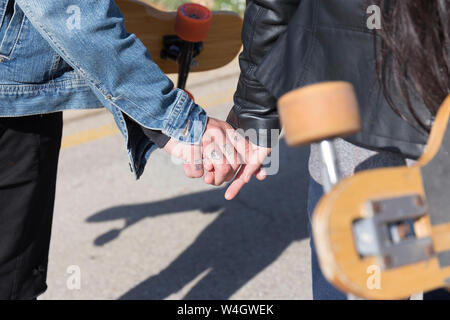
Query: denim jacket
66	54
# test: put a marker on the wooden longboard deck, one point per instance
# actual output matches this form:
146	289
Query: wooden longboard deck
347	202
150	25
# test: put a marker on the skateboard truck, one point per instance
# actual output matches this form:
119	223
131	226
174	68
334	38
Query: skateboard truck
191	27
173	45
388	232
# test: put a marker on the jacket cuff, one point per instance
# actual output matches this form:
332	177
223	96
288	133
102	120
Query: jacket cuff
263	132
187	121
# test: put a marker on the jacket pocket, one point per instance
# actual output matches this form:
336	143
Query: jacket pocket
10	28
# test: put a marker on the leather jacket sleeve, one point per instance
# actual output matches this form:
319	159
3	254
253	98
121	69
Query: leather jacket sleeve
254	107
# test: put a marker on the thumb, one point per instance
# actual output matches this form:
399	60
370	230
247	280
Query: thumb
173	148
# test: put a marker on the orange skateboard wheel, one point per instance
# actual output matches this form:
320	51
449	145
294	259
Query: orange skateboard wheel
319	112
190	95
193	22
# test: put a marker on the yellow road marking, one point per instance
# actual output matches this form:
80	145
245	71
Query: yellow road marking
89	135
111	129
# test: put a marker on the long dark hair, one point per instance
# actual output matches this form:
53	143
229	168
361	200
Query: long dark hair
414	51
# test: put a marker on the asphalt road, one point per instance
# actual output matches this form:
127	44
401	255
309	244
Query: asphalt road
169	237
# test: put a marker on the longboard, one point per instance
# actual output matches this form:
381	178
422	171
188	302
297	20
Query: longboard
151	24
382	233
385	233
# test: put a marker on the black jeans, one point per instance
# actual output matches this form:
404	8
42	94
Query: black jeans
29	150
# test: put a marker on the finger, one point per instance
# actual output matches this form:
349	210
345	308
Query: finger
222	138
220	173
240	144
194	154
225	166
193	166
212	153
193	170
249	170
207	162
175	149
221	170
231	156
227	170
209	178
237	184
223	173
261	174
208	165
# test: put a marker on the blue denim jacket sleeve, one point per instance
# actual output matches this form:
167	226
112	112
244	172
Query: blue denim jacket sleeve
118	68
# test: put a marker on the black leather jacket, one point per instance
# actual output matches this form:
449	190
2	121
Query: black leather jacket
292	43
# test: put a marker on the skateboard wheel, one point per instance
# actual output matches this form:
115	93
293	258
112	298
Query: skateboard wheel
318	112
192	22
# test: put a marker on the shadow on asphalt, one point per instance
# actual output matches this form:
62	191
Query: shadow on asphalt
249	234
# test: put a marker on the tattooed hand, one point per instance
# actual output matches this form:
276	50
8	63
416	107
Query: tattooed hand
216	153
223	154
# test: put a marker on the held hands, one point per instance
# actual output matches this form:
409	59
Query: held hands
223	155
